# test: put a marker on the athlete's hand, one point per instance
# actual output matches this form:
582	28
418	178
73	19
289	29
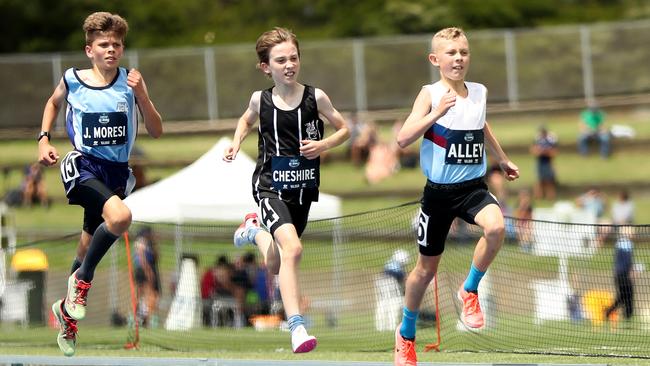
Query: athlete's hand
312	149
447	101
510	169
230	153
136	82
47	154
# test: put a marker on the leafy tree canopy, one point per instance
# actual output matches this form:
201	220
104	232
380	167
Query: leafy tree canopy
47	26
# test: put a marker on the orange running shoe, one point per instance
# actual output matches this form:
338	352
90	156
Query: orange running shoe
472	315
404	350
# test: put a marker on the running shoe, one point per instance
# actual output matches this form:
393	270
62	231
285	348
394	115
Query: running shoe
242	234
472	316
404	350
75	301
301	342
67	337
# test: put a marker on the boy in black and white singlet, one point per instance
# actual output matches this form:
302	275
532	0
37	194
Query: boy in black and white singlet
450	116
287	175
101	121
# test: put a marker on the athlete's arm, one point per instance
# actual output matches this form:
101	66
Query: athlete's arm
422	116
152	119
47	154
509	168
312	149
244	126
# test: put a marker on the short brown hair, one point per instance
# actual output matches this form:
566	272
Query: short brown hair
102	23
271	38
448	34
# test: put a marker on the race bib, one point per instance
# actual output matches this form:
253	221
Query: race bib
103	129
69	169
290	172
465	148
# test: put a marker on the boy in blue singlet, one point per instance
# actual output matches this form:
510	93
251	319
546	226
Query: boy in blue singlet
101	121
287	175
450	115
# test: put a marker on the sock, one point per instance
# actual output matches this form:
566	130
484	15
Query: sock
295	321
75	265
407	330
99	245
473	279
251	232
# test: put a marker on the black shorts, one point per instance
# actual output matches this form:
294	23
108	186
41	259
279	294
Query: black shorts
441	204
91	194
276	213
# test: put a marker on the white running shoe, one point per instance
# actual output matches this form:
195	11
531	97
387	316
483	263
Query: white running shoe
241	234
301	342
75	300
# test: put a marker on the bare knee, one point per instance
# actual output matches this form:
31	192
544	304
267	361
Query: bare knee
292	252
495	233
424	272
118	219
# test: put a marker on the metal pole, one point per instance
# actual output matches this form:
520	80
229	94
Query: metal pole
511	69
56	77
360	87
211	84
587	69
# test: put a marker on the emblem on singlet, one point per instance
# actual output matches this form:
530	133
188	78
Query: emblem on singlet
312	131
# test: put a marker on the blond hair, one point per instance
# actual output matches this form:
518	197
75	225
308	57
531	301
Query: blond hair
103	23
271	38
447	34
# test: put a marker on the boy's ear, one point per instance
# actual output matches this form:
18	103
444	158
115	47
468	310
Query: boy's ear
433	59
88	50
265	68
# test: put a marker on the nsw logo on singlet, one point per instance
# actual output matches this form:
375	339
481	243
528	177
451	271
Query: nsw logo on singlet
290	172
464	147
312	131
104	129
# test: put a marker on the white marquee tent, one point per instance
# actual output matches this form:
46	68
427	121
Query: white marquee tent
210	190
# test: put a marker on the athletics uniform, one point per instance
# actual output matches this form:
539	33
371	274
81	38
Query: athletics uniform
102	125
452	157
284	182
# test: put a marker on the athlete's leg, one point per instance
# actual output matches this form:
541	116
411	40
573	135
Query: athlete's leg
490	219
290	250
269	249
117	218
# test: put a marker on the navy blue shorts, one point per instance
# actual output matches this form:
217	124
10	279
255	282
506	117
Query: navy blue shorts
441	204
276	213
90	182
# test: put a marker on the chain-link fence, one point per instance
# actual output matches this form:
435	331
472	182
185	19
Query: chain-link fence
213	83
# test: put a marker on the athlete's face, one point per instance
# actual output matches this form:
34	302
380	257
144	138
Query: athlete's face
284	63
105	52
452	57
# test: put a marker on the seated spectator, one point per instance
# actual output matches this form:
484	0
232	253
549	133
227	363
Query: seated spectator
595	202
592	128
409	157
382	162
363	137
33	187
524	215
623	209
216	282
259	290
496	182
